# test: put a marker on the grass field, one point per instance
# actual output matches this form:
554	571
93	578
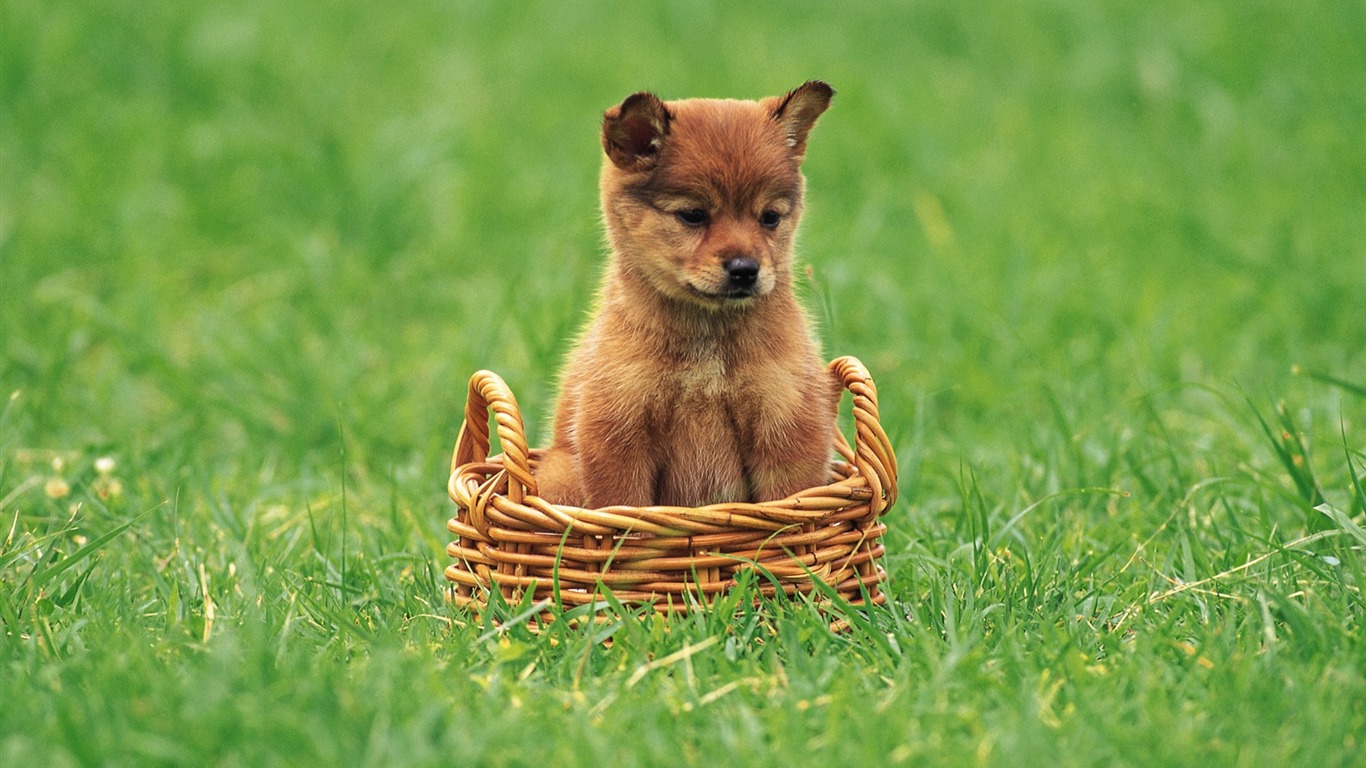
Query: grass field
1105	260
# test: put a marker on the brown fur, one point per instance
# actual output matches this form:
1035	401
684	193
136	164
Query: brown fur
684	390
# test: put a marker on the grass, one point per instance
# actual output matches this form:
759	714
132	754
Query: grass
1105	261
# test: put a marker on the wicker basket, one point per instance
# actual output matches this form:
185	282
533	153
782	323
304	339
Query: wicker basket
674	558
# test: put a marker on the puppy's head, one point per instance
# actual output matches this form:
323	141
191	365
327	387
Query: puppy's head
702	196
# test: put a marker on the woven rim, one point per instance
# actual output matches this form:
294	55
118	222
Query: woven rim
672	557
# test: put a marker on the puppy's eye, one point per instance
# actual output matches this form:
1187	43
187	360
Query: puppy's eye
770	219
693	217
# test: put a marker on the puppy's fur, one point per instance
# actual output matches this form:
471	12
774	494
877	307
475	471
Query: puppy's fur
698	380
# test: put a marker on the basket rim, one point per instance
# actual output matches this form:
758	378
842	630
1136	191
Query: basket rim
478	482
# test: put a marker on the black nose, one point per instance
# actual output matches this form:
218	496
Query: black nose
742	271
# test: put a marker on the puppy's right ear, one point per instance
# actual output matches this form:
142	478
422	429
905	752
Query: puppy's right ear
633	132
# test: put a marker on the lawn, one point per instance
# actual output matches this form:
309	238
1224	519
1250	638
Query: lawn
1107	262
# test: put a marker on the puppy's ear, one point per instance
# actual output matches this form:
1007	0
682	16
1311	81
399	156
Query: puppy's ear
796	112
633	132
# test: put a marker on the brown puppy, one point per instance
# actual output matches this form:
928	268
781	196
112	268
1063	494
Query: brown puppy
697	381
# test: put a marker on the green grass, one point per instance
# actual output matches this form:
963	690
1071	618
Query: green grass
252	251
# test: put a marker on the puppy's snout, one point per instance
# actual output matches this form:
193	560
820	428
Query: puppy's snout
742	271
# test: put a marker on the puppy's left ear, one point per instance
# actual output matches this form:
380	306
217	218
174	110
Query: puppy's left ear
796	112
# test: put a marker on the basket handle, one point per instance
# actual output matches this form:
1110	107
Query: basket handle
873	456
490	396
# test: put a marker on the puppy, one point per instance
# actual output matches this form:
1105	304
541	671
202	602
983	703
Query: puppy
697	381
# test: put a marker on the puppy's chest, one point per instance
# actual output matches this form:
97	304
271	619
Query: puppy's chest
699	380
709	403
700	433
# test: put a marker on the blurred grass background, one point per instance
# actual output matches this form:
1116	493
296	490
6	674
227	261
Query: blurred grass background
252	251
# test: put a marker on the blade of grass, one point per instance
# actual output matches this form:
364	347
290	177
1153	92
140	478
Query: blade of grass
1294	458
1360	495
43	576
72	591
1356	389
1343	520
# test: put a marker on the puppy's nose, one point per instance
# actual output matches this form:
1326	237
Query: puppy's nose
742	271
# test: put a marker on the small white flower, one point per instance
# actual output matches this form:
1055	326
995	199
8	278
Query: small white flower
104	465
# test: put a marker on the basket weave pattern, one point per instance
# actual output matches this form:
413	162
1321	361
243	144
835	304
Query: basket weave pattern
671	557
